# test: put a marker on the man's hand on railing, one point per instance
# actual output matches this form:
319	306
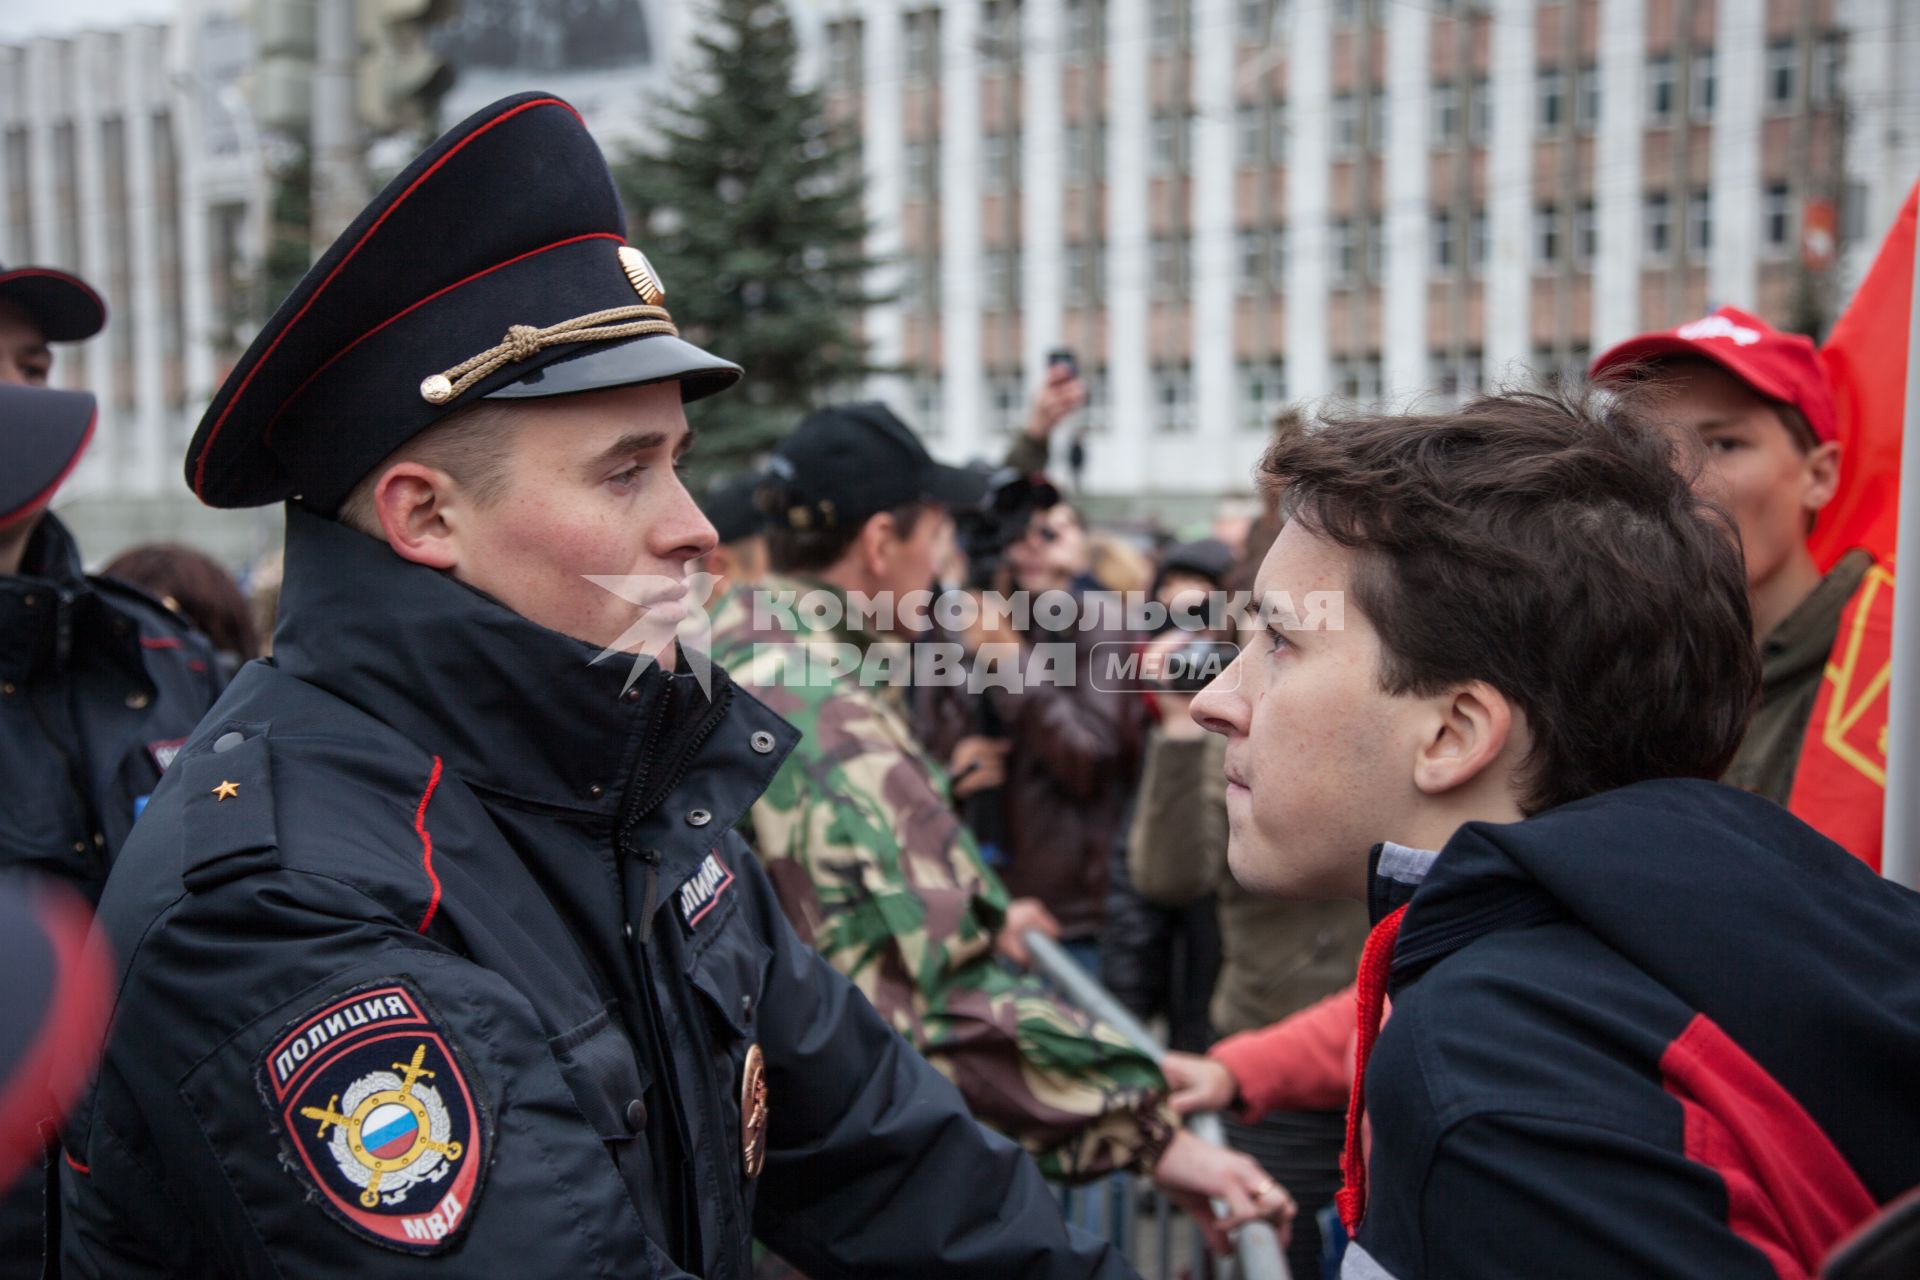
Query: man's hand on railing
1024	914
1198	1083
1207	1180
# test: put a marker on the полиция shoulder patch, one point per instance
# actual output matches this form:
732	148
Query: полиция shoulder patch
377	1106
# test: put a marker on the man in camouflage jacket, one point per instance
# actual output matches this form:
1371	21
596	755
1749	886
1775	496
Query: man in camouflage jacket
858	835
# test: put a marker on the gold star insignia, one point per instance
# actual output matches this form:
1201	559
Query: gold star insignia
226	791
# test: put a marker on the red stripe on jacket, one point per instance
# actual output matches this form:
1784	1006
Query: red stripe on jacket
1790	1193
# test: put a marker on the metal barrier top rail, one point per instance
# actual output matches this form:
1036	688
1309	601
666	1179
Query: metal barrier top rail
1256	1245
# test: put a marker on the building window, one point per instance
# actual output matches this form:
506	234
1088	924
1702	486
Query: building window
1825	81
1172	399
1251	248
1093	414
1084	35
1169	144
1444	113
843	54
1546	236
1253	19
1378	123
1783	73
919	169
1702	87
1263	390
1342	252
1279	256
999	37
996	267
1376	248
1079	146
923	44
1480	112
1344	125
1700	222
1586	234
1549	100
1776	219
1460	378
926	406
1440	243
1586	100
1249	136
1656	226
1660	89
1169	23
1478	243
1171	270
996	162
1277	134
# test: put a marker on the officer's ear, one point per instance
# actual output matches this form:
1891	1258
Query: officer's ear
414	506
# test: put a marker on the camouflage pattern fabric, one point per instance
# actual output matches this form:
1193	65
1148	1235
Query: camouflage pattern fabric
859	837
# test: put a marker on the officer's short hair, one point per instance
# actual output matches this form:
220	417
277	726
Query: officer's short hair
471	444
1551	545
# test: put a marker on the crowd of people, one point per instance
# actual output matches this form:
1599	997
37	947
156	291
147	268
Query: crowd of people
599	877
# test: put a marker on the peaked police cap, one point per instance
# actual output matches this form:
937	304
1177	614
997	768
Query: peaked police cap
494	266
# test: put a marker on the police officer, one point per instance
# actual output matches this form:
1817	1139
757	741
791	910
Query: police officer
99	683
439	954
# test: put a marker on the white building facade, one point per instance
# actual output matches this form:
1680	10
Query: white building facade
1228	206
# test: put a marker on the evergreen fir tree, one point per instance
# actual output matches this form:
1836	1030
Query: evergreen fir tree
749	209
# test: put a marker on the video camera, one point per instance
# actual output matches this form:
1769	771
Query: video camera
1000	519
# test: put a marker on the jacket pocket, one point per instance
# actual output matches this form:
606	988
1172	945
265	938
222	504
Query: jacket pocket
605	1075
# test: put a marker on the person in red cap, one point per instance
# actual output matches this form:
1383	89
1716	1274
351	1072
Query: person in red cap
1760	403
99	683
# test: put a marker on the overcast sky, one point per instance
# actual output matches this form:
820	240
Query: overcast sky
22	19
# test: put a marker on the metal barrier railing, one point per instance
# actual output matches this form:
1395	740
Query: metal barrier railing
1257	1253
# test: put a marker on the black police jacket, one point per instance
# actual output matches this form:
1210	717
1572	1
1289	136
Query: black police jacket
440	956
99	687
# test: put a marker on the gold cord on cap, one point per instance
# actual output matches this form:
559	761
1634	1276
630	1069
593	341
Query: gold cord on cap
523	341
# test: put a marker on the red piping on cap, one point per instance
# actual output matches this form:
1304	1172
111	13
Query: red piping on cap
200	464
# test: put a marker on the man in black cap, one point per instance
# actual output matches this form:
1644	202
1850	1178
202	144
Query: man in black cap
99	683
438	950
739	556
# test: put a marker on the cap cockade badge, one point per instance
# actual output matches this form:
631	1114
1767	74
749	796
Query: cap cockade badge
646	282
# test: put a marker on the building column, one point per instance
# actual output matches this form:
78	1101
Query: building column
1883	145
1042	195
1618	169
1215	387
1509	287
94	75
1403	322
1733	277
42	109
196	220
963	400
1129	261
147	463
1309	171
883	151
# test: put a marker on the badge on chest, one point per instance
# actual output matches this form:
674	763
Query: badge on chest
369	1091
702	891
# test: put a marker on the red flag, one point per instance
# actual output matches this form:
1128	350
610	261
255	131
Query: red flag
1865	360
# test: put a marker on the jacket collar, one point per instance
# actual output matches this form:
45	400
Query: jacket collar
512	708
50	611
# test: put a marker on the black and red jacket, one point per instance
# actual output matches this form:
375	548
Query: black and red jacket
1667	1031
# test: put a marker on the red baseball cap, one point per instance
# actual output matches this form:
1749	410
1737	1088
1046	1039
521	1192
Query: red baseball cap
1780	366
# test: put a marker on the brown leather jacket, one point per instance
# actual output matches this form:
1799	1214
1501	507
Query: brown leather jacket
1073	763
